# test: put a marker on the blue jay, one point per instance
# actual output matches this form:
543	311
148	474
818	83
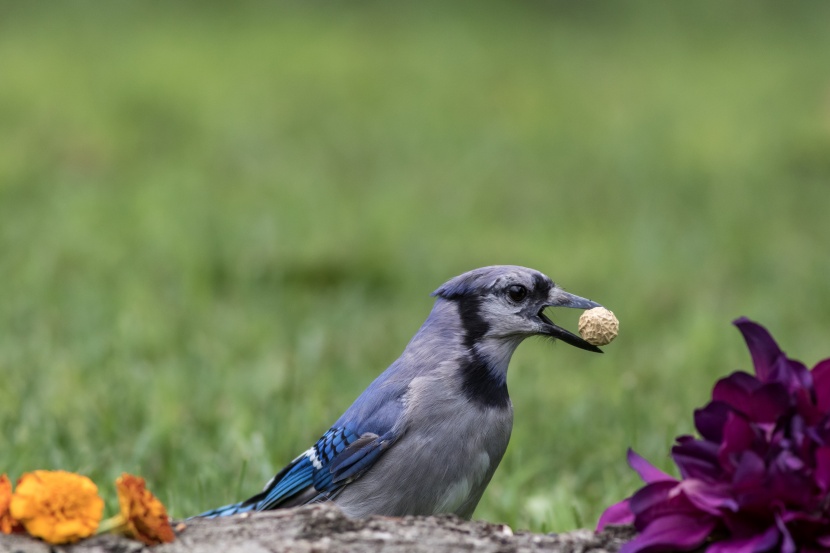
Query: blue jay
427	435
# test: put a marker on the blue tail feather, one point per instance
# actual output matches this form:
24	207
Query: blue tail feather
338	457
233	509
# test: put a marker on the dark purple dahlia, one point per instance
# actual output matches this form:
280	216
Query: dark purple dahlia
757	479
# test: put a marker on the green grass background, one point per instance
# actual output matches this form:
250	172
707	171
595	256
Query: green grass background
219	224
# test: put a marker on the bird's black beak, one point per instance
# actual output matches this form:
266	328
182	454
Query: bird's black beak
560	298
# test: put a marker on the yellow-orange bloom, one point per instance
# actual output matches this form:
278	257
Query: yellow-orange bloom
57	506
144	516
7	522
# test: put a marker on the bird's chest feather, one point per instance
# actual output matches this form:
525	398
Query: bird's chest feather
447	452
456	444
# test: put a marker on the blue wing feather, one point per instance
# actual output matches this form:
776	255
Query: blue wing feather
359	456
311	469
341	455
296	480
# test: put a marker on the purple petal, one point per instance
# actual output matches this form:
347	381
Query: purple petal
738	436
735	386
747	522
822	470
821	384
762	347
793	436
791	373
786	461
754	544
619	513
806	528
709	420
697	459
672	533
750	489
760	402
788	481
787	543
806	406
803	518
768	402
709	498
648	472
656	495
820	431
750	470
736	390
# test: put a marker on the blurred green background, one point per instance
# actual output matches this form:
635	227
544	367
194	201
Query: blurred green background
218	224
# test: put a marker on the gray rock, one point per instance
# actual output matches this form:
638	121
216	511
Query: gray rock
323	529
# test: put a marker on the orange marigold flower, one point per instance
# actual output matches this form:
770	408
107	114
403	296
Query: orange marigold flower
57	506
143	516
7	522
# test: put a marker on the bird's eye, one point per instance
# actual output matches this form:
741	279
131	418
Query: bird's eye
516	292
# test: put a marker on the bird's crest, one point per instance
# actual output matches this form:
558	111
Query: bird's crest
479	281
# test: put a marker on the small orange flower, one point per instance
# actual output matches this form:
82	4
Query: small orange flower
142	515
7	522
57	506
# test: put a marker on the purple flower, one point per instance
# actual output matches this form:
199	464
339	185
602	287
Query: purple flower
758	477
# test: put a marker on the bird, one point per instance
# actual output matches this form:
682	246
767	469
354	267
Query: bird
427	435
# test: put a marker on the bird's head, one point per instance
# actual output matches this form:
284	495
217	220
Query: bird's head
508	302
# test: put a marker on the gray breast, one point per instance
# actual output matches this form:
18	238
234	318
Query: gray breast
443	461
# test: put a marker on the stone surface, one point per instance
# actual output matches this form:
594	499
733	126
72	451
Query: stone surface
323	528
